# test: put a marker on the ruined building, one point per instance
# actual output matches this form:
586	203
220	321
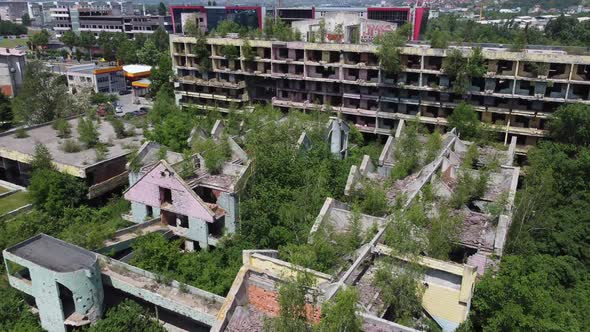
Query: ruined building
197	203
72	287
516	95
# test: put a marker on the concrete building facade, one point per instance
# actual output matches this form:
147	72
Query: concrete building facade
72	287
101	176
512	96
99	79
12	71
200	207
103	17
64	280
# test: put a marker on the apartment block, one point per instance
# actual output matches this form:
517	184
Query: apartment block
96	19
517	94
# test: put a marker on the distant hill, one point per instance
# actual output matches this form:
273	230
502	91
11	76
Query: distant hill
545	4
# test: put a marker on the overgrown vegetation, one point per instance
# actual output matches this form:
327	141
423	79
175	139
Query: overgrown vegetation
465	120
293	305
410	153
543	281
563	30
127	316
388	48
462	69
215	152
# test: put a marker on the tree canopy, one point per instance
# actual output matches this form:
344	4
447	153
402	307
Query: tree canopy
543	283
43	98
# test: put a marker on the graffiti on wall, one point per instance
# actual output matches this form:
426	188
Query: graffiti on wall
370	30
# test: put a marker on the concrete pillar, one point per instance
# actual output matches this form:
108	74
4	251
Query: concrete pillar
139	212
230	203
198	230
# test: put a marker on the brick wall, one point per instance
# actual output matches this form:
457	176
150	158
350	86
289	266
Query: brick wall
267	301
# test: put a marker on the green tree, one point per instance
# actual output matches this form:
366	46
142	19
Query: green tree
127	316
42	158
571	124
248	51
439	39
26	19
88	134
388	48
42	98
39	40
161	76
153	252
173	131
519	42
161	40
400	290
202	53
15	313
293	305
226	26
322	32
214	152
162	10
70	39
464	119
536	292
127	52
87	40
52	191
118	127
149	54
340	313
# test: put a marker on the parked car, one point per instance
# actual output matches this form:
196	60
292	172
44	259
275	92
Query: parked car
124	92
145	109
119	111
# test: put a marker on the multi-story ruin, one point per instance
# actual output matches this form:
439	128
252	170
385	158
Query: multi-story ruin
516	95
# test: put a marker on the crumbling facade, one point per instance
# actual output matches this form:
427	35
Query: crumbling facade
516	95
63	279
200	206
73	287
482	235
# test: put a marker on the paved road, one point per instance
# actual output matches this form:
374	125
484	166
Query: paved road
126	101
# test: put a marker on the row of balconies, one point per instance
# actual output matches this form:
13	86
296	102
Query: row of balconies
388	97
539	70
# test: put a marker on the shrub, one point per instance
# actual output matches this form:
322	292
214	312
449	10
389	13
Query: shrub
119	127
70	146
215	153
87	132
102	151
464	119
20	132
63	127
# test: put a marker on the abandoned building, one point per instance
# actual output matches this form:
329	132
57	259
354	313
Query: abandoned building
101	176
516	95
336	134
198	204
254	293
72	287
485	219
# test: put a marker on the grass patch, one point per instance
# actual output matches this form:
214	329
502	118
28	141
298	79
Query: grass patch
11	43
13	201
